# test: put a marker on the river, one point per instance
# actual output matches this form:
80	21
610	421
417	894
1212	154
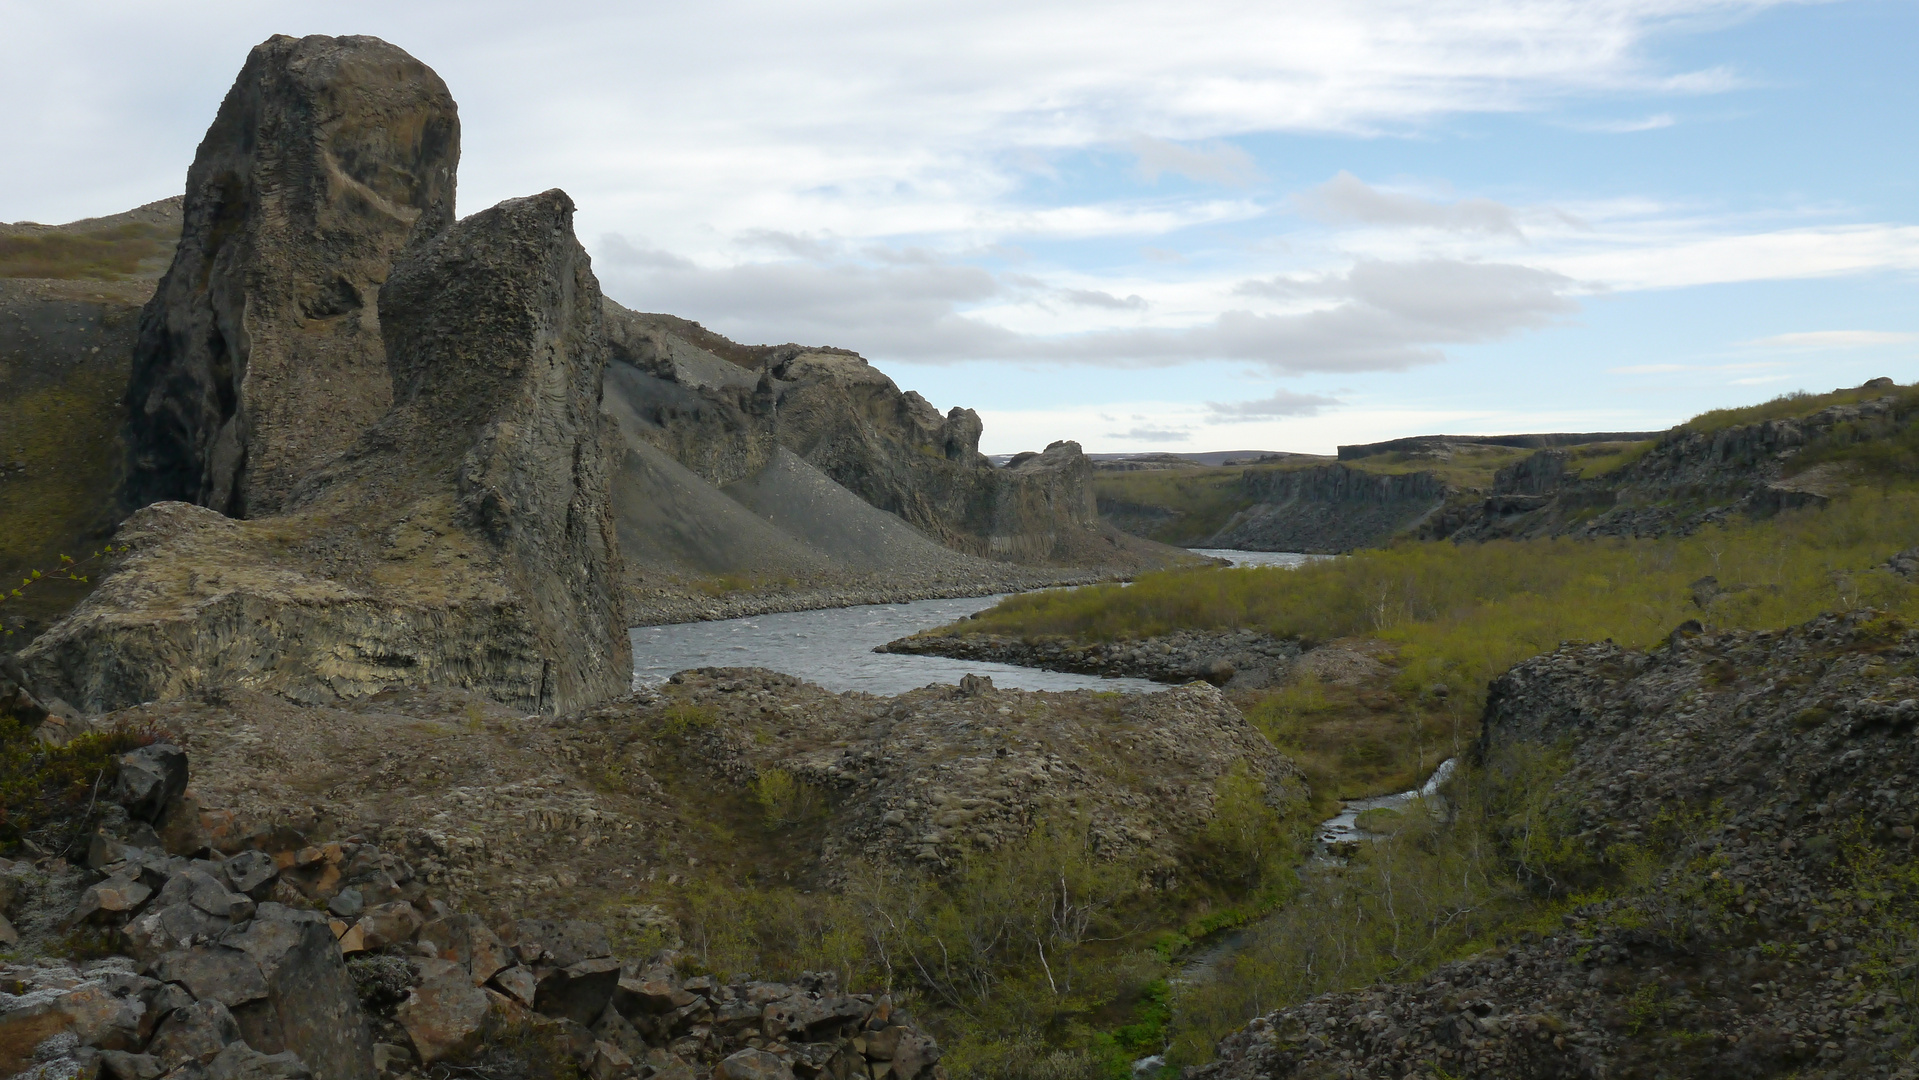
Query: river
833	647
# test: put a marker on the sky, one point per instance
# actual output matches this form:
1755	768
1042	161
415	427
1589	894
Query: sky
1226	225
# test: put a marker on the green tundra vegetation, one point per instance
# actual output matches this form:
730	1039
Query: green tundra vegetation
109	253
1459	614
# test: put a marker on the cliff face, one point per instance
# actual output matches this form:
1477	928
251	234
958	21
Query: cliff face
1328	508
466	540
260	356
1686	480
726	411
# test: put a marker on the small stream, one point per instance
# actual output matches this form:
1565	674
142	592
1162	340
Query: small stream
1334	833
1343	828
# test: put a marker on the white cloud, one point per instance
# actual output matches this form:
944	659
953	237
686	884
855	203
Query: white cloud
1662	256
1281	403
1374	316
1099	299
1152	435
1220	163
1813	340
1347	198
1627	127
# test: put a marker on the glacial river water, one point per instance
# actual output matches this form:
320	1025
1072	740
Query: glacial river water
834	647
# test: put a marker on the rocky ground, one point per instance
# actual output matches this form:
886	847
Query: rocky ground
580	814
1778	940
274	956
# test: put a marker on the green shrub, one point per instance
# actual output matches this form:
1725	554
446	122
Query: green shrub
51	794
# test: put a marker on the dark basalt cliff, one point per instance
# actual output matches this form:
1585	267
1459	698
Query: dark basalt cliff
260	356
1686	480
1329	508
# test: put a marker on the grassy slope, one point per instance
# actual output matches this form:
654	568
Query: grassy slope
110	252
66	434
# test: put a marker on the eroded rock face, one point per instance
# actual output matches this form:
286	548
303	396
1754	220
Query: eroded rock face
261	354
465	541
725	411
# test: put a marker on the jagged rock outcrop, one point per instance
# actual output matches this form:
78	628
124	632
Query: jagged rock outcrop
1232	659
1686	480
466	540
1762	778
725	410
1327	508
261	354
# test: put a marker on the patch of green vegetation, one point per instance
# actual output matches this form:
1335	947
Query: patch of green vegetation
67	438
729	584
50	794
1506	864
1601	459
1035	959
787	800
1461	614
1354	742
1466	466
111	253
1786	406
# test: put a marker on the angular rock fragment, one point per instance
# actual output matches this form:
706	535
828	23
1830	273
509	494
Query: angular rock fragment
315	1008
561	942
121	1065
518	983
465	940
116	896
390	924
241	1062
251	873
444	1014
150	779
194	1035
578	992
752	1064
214	973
